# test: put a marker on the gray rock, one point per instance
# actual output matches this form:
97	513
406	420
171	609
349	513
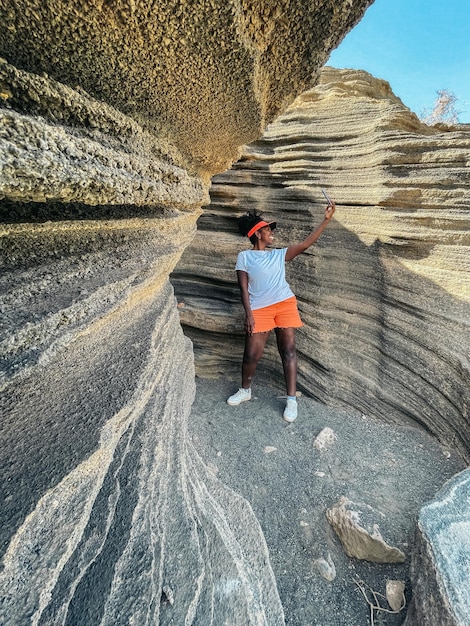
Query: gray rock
325	439
395	594
441	558
326	568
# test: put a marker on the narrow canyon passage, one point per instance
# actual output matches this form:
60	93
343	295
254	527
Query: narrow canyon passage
290	484
118	297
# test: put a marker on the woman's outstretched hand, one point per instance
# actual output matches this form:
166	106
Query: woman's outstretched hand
330	209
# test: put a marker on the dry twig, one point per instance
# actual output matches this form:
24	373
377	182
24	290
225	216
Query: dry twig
374	605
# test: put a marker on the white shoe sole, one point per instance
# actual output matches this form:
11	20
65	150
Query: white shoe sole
238	402
289	418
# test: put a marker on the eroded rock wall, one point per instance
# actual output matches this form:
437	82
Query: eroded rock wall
205	76
109	515
385	293
113	117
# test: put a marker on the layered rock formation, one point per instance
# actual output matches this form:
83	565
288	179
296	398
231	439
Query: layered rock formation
385	294
204	76
113	118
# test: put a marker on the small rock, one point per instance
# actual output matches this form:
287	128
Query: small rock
324	439
395	594
167	594
326	568
213	468
269	449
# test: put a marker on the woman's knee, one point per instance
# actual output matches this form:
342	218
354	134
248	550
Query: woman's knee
251	357
254	347
288	353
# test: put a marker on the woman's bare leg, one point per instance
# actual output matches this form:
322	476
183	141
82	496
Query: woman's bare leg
286	346
254	346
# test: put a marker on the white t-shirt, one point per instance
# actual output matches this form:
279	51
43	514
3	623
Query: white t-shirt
266	276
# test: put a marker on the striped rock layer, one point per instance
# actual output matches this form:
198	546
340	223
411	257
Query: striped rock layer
384	294
113	117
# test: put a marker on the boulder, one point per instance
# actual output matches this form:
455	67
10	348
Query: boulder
441	558
358	527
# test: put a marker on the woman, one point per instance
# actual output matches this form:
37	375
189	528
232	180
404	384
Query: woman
269	302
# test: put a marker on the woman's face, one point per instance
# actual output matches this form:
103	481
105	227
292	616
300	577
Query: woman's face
266	235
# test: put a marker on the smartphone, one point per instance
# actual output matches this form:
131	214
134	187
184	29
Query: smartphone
328	199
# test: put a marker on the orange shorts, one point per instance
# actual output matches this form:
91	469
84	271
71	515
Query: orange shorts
283	314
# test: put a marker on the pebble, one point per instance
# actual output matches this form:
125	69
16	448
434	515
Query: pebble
269	449
326	568
324	439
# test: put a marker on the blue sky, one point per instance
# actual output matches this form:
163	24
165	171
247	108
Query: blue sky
418	46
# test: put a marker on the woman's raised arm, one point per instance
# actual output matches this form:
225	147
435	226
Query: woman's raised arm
298	248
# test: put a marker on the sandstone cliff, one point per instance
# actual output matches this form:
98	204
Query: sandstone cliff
114	116
385	293
204	76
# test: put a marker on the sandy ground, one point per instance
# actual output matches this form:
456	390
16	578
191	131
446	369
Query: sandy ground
290	484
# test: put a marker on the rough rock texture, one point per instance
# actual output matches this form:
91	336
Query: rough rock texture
119	506
113	117
205	75
442	558
358	527
385	293
83	150
105	504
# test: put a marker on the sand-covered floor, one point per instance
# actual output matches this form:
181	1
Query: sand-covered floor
290	484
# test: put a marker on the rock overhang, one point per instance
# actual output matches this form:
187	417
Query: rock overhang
204	76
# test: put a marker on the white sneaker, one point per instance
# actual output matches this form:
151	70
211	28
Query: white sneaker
242	395
290	412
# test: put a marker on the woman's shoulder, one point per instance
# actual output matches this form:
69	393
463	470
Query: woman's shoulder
257	253
281	252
